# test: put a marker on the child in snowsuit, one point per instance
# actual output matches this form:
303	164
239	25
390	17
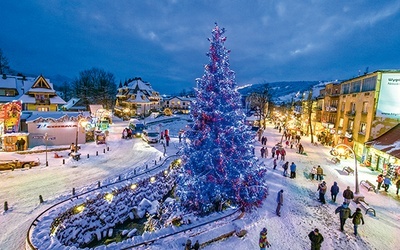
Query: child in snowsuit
263	241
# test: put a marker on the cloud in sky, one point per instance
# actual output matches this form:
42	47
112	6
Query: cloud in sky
165	42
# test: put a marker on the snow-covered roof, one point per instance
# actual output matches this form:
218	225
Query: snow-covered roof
31	99
389	142
35	115
71	103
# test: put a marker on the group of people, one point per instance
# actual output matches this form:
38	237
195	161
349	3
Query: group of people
317	173
385	182
127	133
345	213
20	144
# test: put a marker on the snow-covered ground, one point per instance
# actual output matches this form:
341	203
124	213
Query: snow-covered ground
301	212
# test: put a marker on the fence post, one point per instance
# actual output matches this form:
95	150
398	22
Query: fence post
97	153
88	156
98	184
160	158
108	148
104	150
63	161
134	171
5	206
119	177
155	162
40	198
73	191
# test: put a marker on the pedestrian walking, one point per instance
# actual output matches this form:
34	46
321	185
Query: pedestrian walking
188	245
320	173
344	213
283	154
322	191
397	186
196	245
316	239
348	195
273	150
266	153
277	152
387	182
285	167
313	172
262	151
357	220
292	171
275	164
380	181
334	191
263	241
279	201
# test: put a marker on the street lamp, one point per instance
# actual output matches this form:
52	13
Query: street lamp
340	150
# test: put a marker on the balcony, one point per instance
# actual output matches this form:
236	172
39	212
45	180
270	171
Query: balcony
42	102
351	113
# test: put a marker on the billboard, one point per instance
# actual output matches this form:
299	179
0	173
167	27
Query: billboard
389	101
11	113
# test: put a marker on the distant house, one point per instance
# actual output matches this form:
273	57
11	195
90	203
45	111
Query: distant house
74	104
136	98
11	88
178	104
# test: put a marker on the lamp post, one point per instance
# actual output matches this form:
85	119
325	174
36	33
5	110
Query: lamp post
355	164
46	137
81	123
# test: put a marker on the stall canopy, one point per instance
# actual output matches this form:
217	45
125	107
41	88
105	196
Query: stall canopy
389	142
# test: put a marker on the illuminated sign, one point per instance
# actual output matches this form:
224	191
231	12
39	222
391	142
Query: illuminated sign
389	101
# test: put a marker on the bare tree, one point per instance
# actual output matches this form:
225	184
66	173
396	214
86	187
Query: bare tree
95	86
309	110
4	67
259	101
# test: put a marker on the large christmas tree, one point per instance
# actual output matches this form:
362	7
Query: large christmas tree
219	163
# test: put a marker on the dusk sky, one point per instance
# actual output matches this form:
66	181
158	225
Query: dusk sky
165	42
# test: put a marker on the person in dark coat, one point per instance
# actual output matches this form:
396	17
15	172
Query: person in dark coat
348	195
357	219
344	213
279	200
293	170
196	245
285	168
316	239
188	245
397	186
334	191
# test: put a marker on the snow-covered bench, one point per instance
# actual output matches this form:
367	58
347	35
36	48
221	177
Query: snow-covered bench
348	170
368	185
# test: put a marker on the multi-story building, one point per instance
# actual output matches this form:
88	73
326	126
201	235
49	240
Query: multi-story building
136	98
365	108
178	104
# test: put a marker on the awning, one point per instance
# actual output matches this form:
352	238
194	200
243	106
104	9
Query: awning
389	142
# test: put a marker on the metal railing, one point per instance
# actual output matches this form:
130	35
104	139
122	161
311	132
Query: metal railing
30	245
